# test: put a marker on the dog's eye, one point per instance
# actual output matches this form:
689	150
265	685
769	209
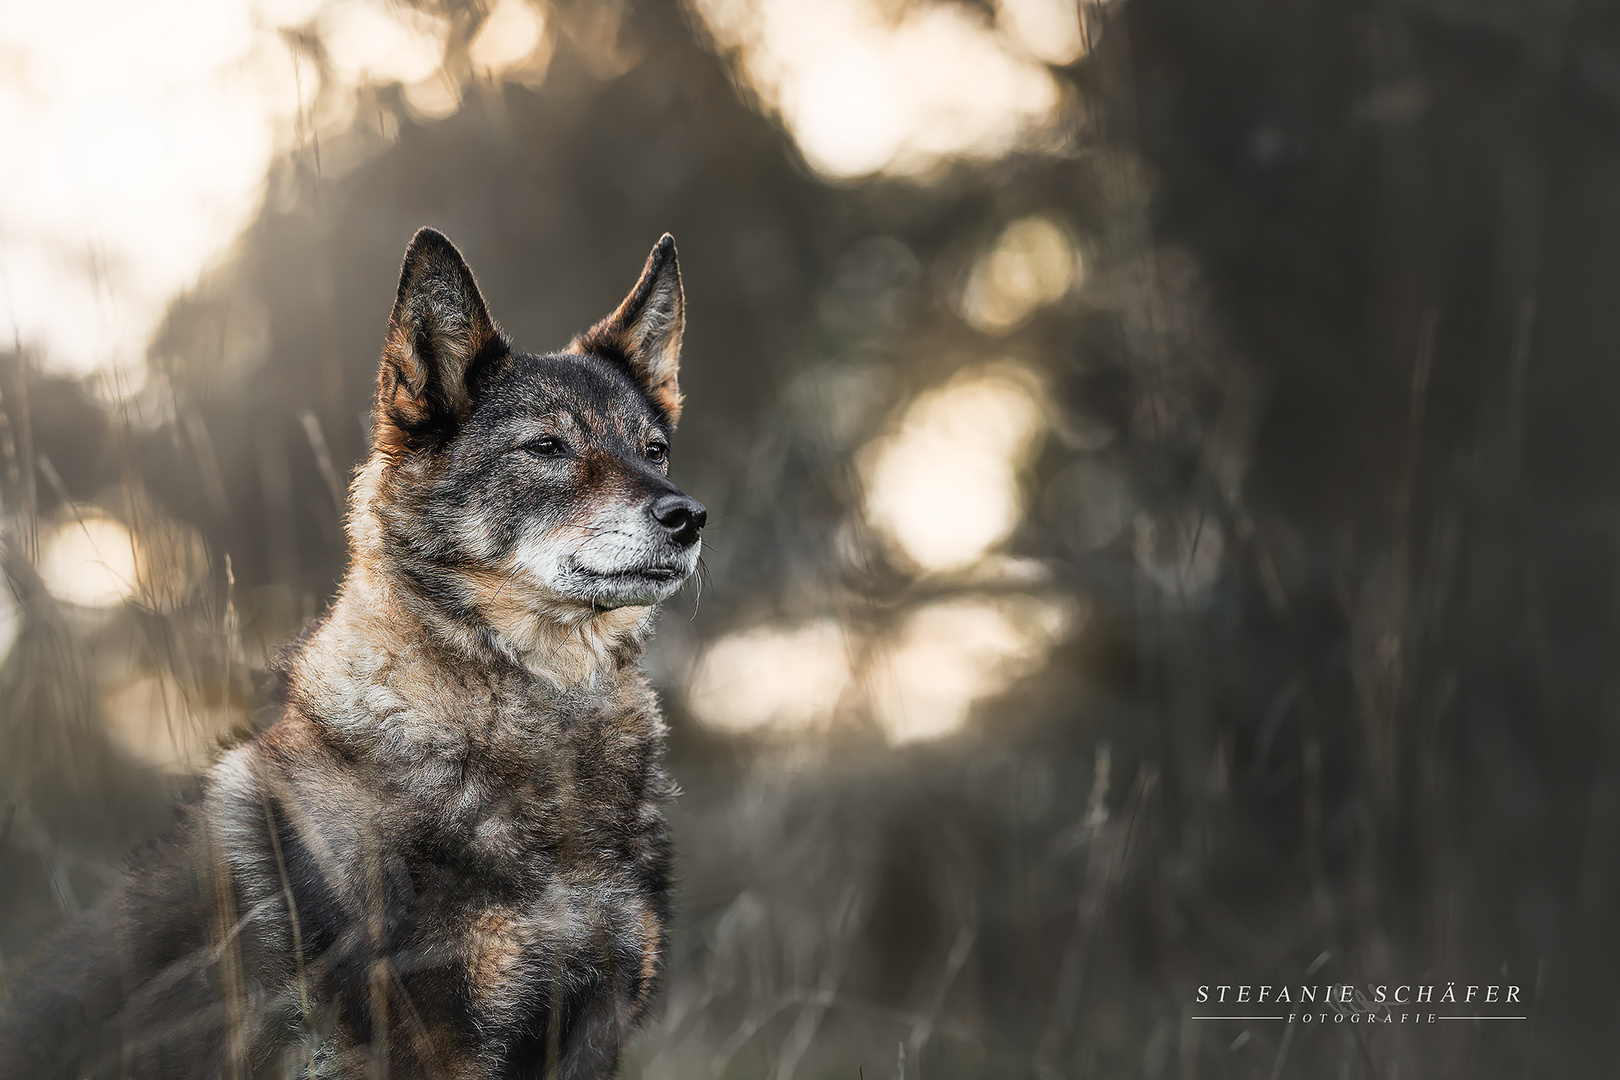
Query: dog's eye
657	451
547	446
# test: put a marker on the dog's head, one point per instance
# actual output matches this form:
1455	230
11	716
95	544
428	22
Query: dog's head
523	483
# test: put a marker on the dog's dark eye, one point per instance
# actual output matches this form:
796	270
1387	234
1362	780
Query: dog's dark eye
548	446
657	451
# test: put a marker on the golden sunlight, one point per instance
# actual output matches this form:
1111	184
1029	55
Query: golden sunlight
149	131
1032	263
365	39
943	488
950	654
155	719
509	37
862	91
1049	30
90	561
788	679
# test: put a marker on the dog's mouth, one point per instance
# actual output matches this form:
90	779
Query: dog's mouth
646	577
655	573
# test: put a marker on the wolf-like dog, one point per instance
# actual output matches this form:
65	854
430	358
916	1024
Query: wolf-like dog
447	856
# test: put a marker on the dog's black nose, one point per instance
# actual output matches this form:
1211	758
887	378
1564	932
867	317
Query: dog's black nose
682	515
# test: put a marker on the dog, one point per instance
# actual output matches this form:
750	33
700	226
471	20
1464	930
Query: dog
447	856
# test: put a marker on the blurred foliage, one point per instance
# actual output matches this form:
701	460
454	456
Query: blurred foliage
1328	478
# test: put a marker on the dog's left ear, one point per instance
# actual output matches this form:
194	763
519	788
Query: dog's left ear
644	331
440	348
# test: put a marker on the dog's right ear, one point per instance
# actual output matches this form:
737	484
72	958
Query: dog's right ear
644	332
441	348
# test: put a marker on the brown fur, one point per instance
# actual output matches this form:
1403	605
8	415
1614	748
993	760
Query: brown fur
647	326
447	856
435	335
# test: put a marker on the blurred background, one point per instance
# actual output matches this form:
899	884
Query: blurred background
1162	463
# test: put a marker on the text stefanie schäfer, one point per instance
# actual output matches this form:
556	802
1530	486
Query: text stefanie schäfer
1373	1004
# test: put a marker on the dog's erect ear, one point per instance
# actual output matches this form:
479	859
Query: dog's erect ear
644	332
440	348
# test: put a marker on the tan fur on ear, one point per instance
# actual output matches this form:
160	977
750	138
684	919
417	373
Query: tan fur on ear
440	336
644	331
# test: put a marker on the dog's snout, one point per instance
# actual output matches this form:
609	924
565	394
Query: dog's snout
682	515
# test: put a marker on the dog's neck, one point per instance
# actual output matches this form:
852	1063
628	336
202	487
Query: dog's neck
499	624
383	656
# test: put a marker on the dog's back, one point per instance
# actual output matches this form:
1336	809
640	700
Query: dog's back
447	857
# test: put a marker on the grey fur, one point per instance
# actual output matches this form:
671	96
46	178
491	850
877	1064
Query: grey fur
448	856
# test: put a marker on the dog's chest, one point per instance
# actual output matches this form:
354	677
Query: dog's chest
560	781
585	937
539	853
